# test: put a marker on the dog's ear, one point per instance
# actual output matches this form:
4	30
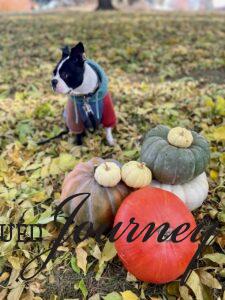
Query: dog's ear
65	51
77	52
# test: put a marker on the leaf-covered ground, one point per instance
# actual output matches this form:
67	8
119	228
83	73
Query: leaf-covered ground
163	69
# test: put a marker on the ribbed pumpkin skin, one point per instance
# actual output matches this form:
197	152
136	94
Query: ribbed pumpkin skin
192	193
103	202
170	164
152	261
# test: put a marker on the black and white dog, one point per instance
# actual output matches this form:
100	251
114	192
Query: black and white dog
89	102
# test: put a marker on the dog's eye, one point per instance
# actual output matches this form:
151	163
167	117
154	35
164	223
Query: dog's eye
65	75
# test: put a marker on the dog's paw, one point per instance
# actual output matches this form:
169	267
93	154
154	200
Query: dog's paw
79	139
110	141
109	137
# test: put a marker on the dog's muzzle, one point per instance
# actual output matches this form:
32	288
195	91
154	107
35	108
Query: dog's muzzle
54	83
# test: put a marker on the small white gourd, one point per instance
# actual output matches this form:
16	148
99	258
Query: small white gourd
108	174
136	175
180	137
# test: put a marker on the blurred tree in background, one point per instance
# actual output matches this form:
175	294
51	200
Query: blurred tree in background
105	4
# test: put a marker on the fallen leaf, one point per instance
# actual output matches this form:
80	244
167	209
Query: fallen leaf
15	262
128	295
4	276
214	175
219	133
208	280
195	284
74	265
184	292
95	297
130	277
218	258
81	255
109	252
16	292
66	162
83	289
113	296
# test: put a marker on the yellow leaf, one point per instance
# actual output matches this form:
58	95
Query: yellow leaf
214	175
128	295
209	102
39	196
84	244
3	165
96	252
220	106
54	167
44	171
66	161
15	262
222	158
4	276
219	133
208	280
81	259
184	292
218	258
109	251
16	292
195	284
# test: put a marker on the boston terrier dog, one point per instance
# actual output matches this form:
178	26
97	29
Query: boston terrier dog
86	84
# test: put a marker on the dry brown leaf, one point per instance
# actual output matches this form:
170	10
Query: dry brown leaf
195	284
81	255
4	276
208	280
184	292
95	297
16	292
3	294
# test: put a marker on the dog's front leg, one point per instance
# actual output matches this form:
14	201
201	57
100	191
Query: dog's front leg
109	136
79	138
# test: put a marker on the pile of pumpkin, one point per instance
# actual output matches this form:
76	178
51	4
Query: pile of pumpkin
176	159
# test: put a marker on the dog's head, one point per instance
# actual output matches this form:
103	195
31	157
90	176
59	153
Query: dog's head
69	72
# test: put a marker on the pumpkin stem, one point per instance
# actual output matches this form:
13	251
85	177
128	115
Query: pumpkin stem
141	165
95	167
107	167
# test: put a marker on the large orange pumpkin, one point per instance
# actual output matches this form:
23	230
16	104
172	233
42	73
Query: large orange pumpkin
102	205
153	261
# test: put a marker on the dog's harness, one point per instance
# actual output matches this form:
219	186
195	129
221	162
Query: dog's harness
90	106
90	123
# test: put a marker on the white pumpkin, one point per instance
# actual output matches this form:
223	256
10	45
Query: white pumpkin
180	137
136	175
192	193
108	174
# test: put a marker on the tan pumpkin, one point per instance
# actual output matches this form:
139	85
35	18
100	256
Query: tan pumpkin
108	174
180	137
136	175
103	202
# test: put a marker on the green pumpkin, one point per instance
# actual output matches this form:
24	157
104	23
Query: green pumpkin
170	164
